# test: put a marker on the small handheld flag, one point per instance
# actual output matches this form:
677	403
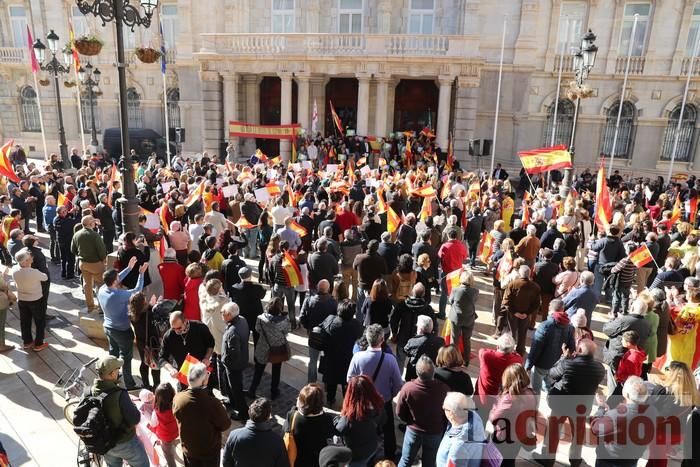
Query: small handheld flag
291	270
641	256
452	279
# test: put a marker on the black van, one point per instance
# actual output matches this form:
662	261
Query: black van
143	140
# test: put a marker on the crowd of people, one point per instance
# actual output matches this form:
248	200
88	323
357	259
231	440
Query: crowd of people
353	246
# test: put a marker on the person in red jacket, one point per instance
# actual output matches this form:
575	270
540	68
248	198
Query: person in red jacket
193	280
630	363
452	255
172	274
492	364
164	424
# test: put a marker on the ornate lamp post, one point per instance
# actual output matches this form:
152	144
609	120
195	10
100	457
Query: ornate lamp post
123	14
584	59
91	80
55	68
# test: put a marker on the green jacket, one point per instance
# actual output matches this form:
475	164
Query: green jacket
88	246
119	410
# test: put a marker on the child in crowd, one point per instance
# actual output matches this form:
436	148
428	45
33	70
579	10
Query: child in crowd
163	422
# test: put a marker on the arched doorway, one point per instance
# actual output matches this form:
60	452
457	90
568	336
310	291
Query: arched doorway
270	110
343	93
415	105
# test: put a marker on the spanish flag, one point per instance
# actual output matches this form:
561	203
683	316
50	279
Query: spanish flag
62	200
392	220
298	228
5	165
676	215
291	270
485	247
189	362
260	156
544	159
426	131
641	256
275	161
336	119
361	161
525	219
426	209
692	210
474	191
603	207
446	188
162	213
243	223
447	337
425	191
195	195
381	204
452	279
450	155
162	246
273	189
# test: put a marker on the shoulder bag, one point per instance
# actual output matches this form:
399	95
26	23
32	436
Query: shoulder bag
290	442
151	348
379	367
277	353
490	455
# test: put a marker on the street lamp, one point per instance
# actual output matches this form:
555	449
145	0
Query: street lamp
123	14
90	80
55	68
584	59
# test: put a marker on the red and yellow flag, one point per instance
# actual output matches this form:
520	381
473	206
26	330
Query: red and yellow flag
113	177
426	209
273	189
544	159
243	223
195	195
163	215
525	219
336	120
409	154
189	362
162	246
485	247
692	210
641	256
275	161
425	191
474	191
452	279
676	215
361	161
381	204
450	155
62	200
71	38
446	188
291	270
392	220
5	165
298	228
603	207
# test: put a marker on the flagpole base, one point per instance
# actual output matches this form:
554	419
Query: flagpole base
566	183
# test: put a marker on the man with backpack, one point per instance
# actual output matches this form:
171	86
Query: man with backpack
111	429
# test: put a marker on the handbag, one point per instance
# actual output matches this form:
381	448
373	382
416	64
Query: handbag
317	338
490	455
151	348
277	353
290	442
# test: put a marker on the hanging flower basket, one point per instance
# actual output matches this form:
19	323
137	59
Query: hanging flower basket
575	92
69	84
98	93
147	54
88	45
44	82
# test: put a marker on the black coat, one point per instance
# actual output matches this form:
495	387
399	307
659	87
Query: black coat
405	315
229	271
423	344
142	257
64	229
341	337
248	295
579	376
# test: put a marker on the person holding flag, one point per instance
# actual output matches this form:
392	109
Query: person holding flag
452	256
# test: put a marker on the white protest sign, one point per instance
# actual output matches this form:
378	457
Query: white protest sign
331	168
167	186
261	195
365	170
152	222
307	165
230	191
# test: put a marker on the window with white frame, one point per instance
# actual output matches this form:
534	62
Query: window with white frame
640	36
133	106
87	116
80	23
350	16
18	23
693	33
130	39
170	25
282	16
572	21
30	109
421	17
174	108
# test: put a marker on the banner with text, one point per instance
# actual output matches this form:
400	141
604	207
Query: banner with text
251	130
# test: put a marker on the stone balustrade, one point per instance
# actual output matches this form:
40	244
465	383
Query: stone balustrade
10	55
636	65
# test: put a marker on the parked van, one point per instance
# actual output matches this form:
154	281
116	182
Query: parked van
143	140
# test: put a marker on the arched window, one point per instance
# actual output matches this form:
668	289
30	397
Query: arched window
625	134
565	123
85	107
685	133
174	108
30	109
133	104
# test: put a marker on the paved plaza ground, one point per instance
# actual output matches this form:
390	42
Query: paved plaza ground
32	426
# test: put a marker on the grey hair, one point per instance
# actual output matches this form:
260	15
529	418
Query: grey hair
635	390
524	272
459	405
558	242
425	324
196	375
231	309
587	278
22	255
531	229
175	315
556	304
386	236
506	343
375	335
638	307
425	368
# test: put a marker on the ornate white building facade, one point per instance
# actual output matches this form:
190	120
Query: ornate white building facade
387	65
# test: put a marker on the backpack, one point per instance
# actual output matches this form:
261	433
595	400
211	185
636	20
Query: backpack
160	317
90	423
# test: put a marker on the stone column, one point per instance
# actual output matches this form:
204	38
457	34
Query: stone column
303	100
230	105
465	115
318	92
443	116
285	112
363	104
382	106
212	112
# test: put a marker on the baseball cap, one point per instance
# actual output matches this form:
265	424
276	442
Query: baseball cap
108	364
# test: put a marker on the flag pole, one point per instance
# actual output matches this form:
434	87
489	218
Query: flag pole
41	117
80	107
167	123
622	94
556	96
498	98
691	65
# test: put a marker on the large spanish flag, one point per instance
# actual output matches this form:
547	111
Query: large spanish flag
5	165
392	220
452	280
195	195
291	270
426	209
336	119
425	191
273	189
676	214
544	159
298	228
381	204
485	247
641	256
603	207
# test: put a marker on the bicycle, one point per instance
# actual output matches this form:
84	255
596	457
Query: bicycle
72	385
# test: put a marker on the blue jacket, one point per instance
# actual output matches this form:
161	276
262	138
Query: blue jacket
255	444
547	341
581	297
462	446
49	213
115	303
